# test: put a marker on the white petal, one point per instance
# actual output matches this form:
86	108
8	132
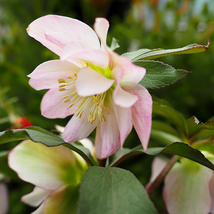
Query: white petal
36	197
39	210
41	165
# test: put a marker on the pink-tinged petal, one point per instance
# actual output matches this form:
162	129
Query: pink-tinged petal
43	166
46	75
123	116
107	139
142	114
211	187
101	27
63	200
79	128
72	48
131	72
96	57
55	32
90	82
53	106
186	188
40	210
157	166
36	197
3	199
87	144
121	97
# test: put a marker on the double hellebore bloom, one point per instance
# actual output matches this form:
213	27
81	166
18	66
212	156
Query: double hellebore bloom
91	82
56	173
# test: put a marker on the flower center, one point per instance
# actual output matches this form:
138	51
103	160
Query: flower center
94	102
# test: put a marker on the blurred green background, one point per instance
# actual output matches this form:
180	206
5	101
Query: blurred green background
135	24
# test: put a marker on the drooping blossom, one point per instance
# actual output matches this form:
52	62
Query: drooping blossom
92	83
188	187
56	173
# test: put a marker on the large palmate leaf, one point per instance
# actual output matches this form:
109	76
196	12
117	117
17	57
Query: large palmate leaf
112	191
156	53
159	74
177	148
47	138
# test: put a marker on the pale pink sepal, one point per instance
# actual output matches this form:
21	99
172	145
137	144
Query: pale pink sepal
3	199
101	27
186	188
55	32
90	82
40	209
142	113
79	128
211	187
46	75
96	57
121	97
41	165
123	116
132	72
52	105
157	166
36	197
107	139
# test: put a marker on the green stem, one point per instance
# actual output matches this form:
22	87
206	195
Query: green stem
155	184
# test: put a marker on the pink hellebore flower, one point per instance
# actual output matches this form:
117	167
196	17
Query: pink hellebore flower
92	82
188	187
56	173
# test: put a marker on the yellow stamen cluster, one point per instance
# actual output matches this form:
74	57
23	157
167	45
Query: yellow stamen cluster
98	108
97	101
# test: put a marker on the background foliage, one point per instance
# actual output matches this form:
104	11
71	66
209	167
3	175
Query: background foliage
135	24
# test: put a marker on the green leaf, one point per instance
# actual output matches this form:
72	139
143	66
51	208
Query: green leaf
134	54
209	147
172	115
112	191
47	138
114	44
159	74
164	133
198	131
156	53
177	148
164	127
